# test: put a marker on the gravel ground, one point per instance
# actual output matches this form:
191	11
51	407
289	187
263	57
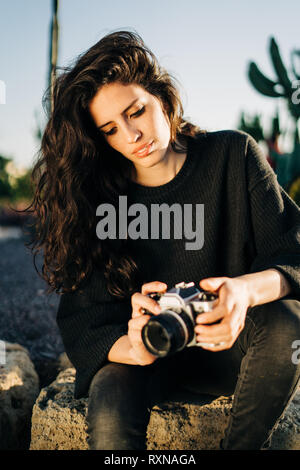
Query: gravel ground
27	313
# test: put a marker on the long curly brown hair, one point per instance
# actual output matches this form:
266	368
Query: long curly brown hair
77	170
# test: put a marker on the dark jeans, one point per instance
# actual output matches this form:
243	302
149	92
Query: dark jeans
258	370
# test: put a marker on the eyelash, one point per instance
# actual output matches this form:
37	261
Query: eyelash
136	114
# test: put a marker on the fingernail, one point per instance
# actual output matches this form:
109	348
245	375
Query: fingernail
157	309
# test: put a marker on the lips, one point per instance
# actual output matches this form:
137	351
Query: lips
143	149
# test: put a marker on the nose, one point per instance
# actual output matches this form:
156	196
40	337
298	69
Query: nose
132	133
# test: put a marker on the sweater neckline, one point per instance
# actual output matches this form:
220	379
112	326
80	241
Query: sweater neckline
184	171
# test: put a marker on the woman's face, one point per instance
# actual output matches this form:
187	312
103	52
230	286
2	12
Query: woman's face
133	122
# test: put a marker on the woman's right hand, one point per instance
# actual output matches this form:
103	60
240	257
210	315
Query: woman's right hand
140	301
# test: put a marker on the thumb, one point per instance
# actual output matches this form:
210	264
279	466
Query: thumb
212	283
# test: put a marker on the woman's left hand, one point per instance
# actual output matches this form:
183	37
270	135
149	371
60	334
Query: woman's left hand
230	312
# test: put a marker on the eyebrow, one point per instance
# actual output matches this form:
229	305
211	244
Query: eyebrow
128	107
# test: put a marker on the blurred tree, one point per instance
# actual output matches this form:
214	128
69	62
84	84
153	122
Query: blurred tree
5	187
252	126
54	30
53	55
15	184
23	187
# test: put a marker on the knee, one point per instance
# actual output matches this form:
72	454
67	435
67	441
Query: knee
117	391
112	374
109	387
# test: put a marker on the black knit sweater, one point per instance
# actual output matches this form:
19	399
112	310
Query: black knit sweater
250	224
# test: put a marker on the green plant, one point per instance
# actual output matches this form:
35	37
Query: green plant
294	190
287	165
5	186
282	86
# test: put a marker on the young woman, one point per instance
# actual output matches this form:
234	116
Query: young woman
117	131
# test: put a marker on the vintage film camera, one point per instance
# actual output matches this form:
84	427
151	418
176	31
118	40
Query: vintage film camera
173	329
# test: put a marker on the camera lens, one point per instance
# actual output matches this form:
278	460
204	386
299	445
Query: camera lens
156	338
165	334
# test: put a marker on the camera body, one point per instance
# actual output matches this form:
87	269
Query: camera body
173	329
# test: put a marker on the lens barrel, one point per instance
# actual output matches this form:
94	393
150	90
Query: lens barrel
168	332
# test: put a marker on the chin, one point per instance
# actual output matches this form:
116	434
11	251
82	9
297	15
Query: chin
155	157
149	161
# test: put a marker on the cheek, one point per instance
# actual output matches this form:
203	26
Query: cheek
162	125
114	141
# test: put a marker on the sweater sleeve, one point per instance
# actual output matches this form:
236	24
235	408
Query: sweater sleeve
90	322
275	220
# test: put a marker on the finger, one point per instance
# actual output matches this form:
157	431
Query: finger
215	347
155	286
136	339
138	308
140	301
227	334
135	331
138	313
212	341
223	309
211	317
138	322
213	332
226	331
212	283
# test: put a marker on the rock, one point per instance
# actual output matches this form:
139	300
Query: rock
64	362
58	421
19	388
286	434
203	422
198	424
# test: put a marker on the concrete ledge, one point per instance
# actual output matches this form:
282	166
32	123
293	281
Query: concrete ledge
58	421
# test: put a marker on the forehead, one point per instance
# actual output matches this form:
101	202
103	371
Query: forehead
113	99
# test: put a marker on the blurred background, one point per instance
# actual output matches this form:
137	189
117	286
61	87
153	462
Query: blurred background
238	67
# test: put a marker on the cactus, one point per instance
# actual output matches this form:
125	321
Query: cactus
262	84
287	166
267	86
295	53
283	78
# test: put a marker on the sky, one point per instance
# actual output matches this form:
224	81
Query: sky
206	46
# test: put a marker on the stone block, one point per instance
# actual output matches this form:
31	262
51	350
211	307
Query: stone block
19	388
58	421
